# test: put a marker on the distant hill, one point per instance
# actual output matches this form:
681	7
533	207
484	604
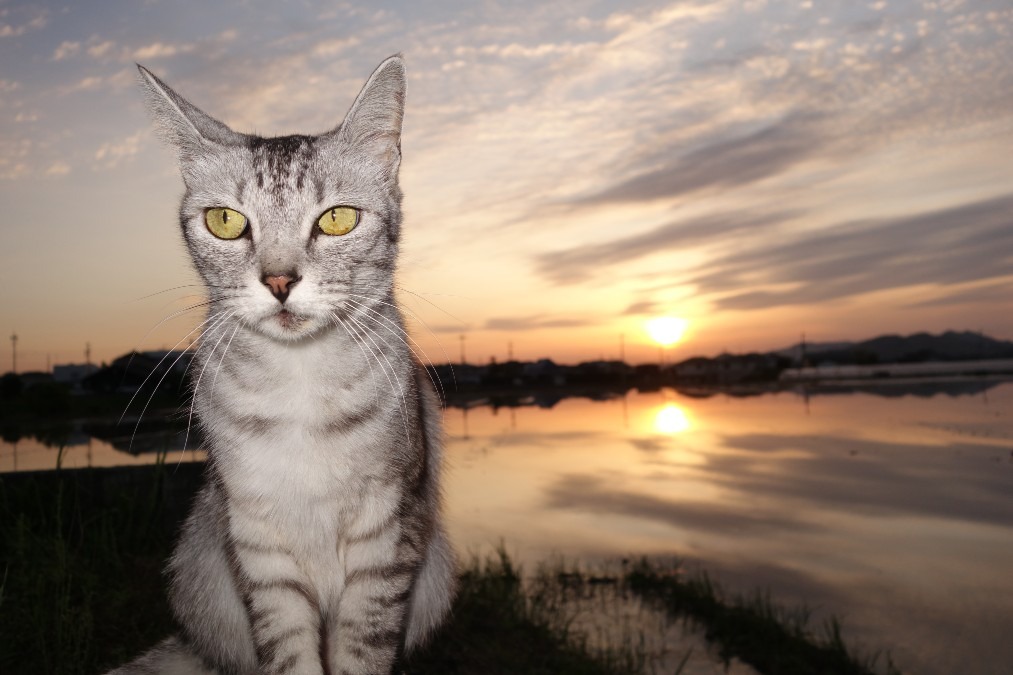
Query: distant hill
811	348
949	346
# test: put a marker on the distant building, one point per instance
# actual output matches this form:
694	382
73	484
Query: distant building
73	373
544	371
729	368
32	378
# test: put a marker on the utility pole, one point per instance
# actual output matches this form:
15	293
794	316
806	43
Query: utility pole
462	348
87	353
14	353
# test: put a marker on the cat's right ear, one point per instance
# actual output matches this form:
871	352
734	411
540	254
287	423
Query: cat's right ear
180	123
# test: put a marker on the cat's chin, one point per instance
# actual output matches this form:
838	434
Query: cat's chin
286	326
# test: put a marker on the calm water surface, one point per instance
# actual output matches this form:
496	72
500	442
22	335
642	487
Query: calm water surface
892	512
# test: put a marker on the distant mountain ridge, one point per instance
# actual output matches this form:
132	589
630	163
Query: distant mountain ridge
948	346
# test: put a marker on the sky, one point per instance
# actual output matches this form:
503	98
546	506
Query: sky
571	169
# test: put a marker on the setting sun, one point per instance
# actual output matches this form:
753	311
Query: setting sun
666	330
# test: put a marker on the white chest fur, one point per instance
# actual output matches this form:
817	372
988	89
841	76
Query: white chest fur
300	437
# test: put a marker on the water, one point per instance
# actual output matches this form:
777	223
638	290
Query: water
891	508
893	512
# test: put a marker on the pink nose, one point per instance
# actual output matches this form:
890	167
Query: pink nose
280	285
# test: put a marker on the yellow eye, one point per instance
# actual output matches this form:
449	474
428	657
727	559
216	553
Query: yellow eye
225	223
338	220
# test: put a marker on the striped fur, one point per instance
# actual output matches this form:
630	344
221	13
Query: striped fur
315	546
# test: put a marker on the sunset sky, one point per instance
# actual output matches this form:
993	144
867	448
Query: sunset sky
571	169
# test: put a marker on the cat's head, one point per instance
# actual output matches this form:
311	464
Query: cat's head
287	232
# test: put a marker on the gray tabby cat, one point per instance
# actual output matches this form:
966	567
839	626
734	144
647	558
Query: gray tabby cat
316	544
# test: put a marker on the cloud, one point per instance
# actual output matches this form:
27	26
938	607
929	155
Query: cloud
85	84
58	168
109	155
8	30
582	262
14	155
535	322
335	46
101	49
961	244
641	307
66	49
1001	292
723	162
161	50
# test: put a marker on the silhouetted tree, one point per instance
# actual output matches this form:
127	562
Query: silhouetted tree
10	386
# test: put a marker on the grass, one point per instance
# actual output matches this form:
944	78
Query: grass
81	564
81	590
772	639
502	627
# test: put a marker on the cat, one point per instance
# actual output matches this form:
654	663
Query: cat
316	544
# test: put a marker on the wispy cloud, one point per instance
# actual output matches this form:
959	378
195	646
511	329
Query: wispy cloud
723	162
58	168
111	154
970	242
534	322
641	307
37	23
66	49
161	50
582	262
101	49
976	294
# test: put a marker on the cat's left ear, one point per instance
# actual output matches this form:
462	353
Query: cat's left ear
374	121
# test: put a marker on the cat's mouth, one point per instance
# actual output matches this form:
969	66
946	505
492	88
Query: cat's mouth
289	320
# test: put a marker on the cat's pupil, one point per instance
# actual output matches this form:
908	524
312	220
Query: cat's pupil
334	214
225	217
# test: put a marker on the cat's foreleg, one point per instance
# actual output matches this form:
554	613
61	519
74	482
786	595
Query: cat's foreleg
367	634
284	613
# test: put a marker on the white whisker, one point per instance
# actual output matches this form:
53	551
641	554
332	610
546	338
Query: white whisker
220	360
427	300
193	396
368	333
192	331
415	316
393	326
372	374
168	370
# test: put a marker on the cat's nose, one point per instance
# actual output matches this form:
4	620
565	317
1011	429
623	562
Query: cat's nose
280	284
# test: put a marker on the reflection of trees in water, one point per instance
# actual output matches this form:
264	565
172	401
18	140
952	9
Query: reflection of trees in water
920	389
50	434
161	434
549	398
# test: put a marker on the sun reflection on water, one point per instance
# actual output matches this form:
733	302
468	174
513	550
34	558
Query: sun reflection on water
671	419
